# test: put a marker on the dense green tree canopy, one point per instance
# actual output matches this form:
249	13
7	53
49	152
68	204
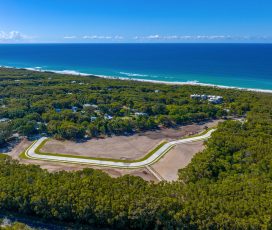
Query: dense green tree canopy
227	186
5	132
38	102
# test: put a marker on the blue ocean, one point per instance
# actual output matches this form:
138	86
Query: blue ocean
236	65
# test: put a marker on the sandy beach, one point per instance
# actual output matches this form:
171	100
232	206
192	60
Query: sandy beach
193	83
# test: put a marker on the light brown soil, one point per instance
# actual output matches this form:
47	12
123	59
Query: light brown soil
19	148
56	166
113	172
117	147
168	166
122	147
178	157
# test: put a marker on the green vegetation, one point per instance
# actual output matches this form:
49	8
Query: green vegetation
15	226
2	156
227	186
72	107
5	132
23	154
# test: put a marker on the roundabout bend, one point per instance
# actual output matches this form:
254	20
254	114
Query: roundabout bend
31	153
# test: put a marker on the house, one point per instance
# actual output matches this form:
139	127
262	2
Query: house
90	105
93	118
74	109
227	110
195	96
140	114
215	99
58	110
108	117
4	120
94	106
204	97
86	105
211	98
38	125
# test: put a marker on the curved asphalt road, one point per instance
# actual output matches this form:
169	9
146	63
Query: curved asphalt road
30	153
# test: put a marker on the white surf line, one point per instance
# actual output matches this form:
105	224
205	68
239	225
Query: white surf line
31	153
193	83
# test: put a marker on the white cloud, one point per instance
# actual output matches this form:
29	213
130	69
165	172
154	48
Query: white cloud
154	36
96	37
196	37
118	37
70	37
12	36
103	37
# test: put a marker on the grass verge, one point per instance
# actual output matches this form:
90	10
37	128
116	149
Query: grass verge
23	154
199	134
3	156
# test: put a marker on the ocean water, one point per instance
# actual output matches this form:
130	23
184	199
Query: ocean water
235	65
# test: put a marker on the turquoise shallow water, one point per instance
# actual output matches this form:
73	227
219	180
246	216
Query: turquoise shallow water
238	65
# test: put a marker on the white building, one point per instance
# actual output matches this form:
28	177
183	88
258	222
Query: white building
211	98
4	120
140	114
108	117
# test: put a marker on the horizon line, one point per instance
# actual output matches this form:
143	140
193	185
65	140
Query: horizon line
120	43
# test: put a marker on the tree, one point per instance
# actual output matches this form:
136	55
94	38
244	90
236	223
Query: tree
70	130
28	129
5	132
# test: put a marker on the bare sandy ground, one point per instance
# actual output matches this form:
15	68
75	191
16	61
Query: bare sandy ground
19	148
117	147
113	172
123	147
56	166
178	157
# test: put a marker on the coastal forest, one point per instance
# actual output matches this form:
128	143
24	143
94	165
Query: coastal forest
227	186
77	107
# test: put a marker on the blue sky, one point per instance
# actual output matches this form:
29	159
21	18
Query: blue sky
135	21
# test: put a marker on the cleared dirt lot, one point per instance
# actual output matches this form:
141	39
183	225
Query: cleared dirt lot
117	147
178	157
123	147
56	166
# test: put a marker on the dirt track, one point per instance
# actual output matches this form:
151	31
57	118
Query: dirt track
178	157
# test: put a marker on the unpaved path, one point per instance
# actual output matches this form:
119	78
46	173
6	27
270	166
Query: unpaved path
178	157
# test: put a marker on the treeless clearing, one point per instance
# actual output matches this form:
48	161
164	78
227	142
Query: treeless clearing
22	145
117	147
178	157
122	147
57	166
